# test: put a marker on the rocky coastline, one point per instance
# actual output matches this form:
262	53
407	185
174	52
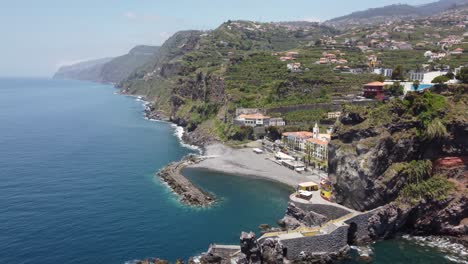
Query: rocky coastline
385	220
189	193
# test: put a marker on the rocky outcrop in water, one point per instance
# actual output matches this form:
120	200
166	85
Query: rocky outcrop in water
189	193
250	248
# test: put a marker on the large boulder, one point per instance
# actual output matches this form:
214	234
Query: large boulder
296	217
272	251
250	247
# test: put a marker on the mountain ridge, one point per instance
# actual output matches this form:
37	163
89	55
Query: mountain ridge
393	12
109	70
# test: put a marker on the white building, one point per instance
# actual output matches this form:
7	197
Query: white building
318	144
332	115
277	122
294	67
384	72
417	76
426	77
258	119
253	120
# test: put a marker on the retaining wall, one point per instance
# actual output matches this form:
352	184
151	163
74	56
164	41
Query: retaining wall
293	108
224	251
330	211
328	243
362	224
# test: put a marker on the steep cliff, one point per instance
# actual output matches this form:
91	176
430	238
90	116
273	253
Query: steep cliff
84	71
109	70
121	67
410	157
193	78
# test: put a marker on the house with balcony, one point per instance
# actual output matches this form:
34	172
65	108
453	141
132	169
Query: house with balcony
374	90
296	140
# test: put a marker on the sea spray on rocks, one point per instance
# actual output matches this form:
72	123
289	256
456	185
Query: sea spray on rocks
453	251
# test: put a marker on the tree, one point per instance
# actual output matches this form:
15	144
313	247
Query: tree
440	79
398	73
416	84
395	89
450	75
273	133
463	75
308	151
380	78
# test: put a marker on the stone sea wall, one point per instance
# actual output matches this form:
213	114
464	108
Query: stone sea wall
335	242
329	211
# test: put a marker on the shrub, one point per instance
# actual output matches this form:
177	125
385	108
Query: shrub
425	106
435	130
463	75
441	79
436	188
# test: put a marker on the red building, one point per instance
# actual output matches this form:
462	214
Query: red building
374	90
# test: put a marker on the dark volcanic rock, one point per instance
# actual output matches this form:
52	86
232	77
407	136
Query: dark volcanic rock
210	258
351	119
374	155
250	247
272	251
296	217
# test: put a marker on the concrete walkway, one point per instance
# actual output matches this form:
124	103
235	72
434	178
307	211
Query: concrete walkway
317	199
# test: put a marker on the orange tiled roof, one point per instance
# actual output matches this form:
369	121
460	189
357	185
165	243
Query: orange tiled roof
375	84
317	141
254	116
299	134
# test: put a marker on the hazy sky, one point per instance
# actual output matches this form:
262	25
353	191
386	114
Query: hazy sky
37	36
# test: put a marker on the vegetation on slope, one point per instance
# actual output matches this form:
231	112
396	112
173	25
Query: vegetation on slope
394	145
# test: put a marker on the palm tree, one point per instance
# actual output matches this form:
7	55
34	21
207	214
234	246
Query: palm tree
308	150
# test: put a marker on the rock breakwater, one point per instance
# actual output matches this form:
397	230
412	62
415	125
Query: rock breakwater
189	193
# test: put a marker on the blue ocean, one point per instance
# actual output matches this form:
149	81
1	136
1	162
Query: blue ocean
78	185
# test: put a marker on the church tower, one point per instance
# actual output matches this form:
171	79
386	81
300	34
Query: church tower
316	131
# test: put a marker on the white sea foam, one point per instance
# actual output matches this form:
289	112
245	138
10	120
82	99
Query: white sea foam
178	130
179	133
454	252
363	251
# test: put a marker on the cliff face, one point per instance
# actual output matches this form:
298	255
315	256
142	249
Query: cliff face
84	71
109	70
121	67
187	79
395	155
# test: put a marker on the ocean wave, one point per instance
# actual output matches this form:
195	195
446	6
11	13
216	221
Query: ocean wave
179	133
454	252
178	130
363	251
